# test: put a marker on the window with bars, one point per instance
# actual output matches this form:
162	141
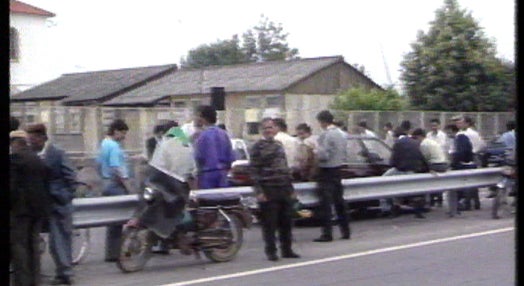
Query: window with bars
14	45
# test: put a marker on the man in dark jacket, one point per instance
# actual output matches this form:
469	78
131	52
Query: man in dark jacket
29	208
274	191
406	158
62	187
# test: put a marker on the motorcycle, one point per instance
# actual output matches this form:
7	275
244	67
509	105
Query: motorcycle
212	224
505	200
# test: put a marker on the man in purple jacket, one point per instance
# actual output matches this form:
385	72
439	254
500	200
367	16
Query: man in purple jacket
213	152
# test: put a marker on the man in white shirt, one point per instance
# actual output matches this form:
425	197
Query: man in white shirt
437	135
362	129
290	143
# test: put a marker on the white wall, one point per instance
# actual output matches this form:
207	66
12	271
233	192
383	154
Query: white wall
37	51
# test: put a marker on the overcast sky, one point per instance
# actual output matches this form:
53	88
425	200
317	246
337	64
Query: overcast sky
100	34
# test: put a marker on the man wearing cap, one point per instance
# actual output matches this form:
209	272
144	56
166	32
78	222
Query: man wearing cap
30	205
62	187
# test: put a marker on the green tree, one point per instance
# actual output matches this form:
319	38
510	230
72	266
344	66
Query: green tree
264	42
360	98
454	66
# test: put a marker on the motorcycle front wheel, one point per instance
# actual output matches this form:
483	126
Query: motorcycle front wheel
135	249
228	252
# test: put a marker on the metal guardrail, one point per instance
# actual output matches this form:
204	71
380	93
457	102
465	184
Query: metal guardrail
101	211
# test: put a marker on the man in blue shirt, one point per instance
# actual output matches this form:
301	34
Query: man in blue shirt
115	175
213	152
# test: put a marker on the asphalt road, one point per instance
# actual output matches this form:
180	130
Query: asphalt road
471	249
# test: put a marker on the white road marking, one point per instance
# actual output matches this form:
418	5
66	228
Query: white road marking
340	257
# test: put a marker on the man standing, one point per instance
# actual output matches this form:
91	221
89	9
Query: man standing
274	191
213	152
438	135
62	187
331	155
115	176
289	142
306	148
465	126
461	159
30	206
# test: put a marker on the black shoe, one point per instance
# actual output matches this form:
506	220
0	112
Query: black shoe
272	256
290	254
323	238
111	259
477	207
62	281
346	236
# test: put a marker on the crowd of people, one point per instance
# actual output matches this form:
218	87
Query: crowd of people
43	179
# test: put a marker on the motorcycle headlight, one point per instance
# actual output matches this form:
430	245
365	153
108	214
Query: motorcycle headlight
149	194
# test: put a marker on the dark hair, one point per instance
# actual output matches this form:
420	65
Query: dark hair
158	128
399	131
117	124
325	116
419	132
363	124
281	124
37	128
388	125
452	127
13	123
510	125
222	126
406	124
469	121
304	127
207	112
435	120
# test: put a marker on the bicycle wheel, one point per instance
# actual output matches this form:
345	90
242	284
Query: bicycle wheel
81	244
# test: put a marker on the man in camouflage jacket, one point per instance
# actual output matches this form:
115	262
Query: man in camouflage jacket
274	191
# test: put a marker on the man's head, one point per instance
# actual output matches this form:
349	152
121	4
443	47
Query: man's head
205	115
406	125
118	130
399	131
14	123
459	121
17	140
269	128
36	136
434	124
388	126
325	118
451	130
469	121
281	124
303	131
418	134
510	125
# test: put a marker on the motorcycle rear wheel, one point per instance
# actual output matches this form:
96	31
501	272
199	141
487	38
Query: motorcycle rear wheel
135	249
228	253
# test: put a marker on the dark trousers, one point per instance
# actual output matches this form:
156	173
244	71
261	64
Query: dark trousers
330	192
25	251
468	195
61	242
113	232
276	215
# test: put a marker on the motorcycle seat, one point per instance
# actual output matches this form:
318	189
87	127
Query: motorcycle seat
225	199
